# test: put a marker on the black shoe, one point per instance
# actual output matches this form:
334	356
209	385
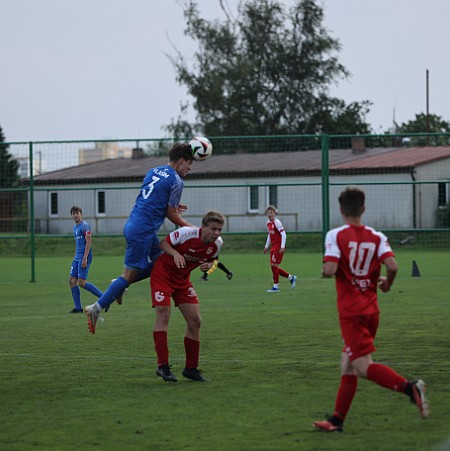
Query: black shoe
76	310
230	275
164	372
194	374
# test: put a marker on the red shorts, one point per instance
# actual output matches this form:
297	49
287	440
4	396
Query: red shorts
276	257
182	292
358	333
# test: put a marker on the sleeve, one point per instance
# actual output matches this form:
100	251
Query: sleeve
283	238
384	249
86	229
219	244
175	192
332	251
267	241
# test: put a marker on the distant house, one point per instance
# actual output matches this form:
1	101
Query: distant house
404	188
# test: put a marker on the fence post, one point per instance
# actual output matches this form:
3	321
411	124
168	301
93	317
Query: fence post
325	186
32	219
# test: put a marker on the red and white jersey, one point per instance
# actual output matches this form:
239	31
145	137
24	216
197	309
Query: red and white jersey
359	252
187	241
276	235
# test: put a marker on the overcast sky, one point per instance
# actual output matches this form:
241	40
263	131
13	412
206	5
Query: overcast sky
97	69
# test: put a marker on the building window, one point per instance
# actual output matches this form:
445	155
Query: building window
442	194
101	202
253	199
53	204
272	195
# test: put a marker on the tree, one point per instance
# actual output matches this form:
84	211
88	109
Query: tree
9	167
424	124
267	72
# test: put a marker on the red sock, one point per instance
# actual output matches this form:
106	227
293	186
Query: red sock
386	377
344	398
283	273
192	348
276	274
161	347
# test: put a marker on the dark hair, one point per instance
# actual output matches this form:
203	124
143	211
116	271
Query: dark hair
352	202
75	208
181	151
213	216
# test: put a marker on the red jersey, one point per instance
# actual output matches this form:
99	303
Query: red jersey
276	236
187	241
359	252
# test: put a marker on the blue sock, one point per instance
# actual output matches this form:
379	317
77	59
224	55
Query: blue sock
92	289
114	290
76	297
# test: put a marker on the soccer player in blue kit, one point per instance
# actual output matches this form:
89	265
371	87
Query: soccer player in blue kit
159	197
82	259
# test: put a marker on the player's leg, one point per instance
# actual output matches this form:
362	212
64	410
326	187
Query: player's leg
191	313
229	273
161	342
74	288
346	392
82	280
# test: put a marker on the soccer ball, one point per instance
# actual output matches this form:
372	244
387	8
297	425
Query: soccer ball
201	148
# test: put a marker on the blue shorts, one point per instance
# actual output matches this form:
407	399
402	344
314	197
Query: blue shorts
142	247
77	271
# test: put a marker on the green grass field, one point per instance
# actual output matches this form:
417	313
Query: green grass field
272	361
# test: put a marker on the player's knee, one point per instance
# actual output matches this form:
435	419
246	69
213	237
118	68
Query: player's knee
196	322
81	283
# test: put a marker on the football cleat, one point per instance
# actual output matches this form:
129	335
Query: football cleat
164	372
230	275
92	315
193	374
293	281
419	399
327	426
76	310
273	290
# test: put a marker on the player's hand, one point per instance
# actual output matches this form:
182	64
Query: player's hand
383	284
206	266
181	209
281	250
84	263
179	260
265	250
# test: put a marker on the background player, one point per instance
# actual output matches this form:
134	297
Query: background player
354	254
82	260
184	250
158	198
276	240
217	264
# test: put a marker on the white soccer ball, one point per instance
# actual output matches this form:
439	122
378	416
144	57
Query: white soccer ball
201	148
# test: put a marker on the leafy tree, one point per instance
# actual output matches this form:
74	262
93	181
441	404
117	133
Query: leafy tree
267	72
424	124
9	167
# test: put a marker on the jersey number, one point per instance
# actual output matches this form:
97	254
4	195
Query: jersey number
360	257
146	192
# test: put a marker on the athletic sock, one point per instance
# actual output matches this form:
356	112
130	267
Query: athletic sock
344	398
161	346
114	290
386	377
92	289
276	275
76	297
192	348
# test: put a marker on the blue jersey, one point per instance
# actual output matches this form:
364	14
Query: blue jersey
79	232
162	187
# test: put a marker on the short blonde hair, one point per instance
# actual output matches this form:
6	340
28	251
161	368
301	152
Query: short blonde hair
271	207
213	216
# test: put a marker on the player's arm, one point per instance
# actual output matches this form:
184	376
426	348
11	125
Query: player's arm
386	282
329	268
267	243
169	250
174	216
88	238
283	241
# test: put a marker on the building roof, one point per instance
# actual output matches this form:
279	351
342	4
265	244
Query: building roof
341	161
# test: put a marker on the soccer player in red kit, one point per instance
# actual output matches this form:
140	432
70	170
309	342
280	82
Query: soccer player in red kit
276	240
354	254
184	249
